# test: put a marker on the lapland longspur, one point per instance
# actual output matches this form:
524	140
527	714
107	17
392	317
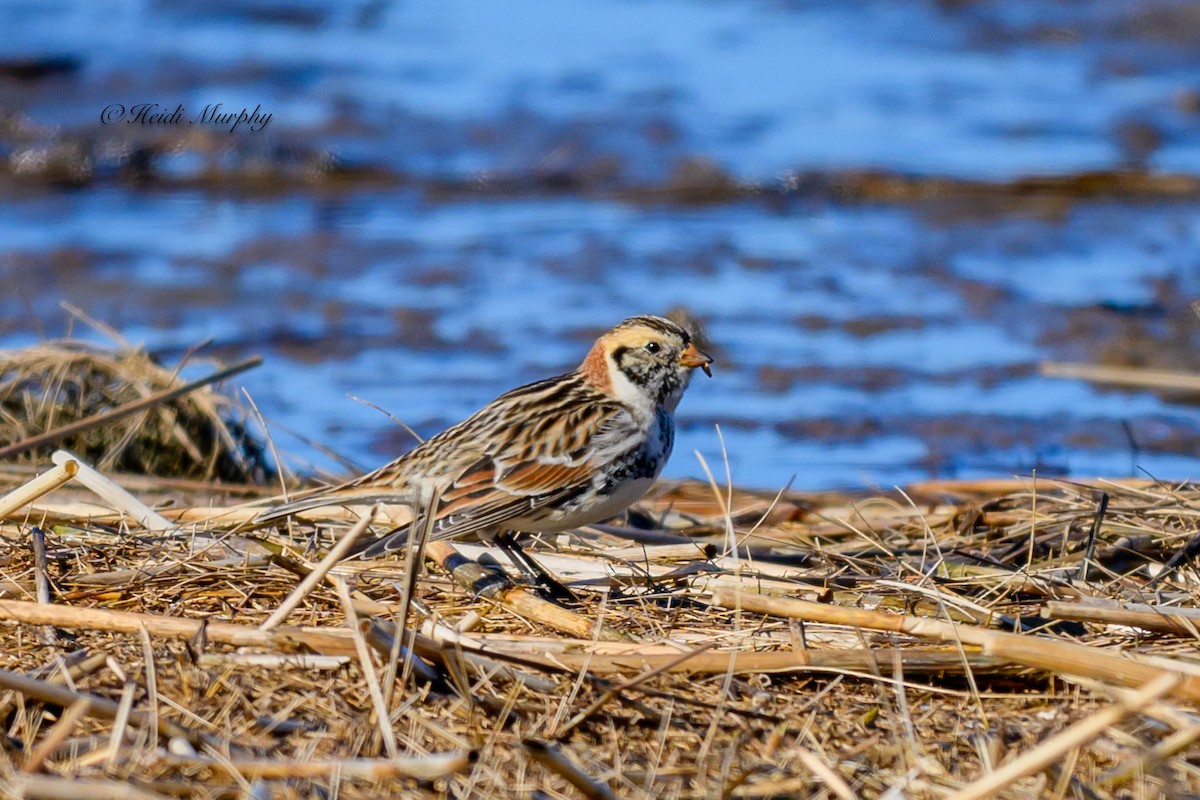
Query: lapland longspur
551	455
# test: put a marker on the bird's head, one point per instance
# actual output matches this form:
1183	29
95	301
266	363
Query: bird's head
645	359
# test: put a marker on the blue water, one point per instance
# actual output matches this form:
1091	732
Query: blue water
857	344
980	89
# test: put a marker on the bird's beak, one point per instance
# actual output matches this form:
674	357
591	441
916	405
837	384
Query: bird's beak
693	357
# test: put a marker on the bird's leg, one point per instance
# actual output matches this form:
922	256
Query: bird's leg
546	583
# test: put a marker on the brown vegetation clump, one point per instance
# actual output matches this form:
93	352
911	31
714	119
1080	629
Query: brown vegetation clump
201	435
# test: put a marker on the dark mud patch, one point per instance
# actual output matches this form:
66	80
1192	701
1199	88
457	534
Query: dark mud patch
212	163
1163	334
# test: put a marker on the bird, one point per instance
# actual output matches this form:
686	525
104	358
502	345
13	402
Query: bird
548	456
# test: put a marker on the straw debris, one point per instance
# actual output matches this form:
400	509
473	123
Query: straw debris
1007	638
918	644
51	387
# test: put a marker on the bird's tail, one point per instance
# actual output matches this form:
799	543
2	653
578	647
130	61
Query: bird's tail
395	507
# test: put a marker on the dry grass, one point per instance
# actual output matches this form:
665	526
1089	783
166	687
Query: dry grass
919	644
57	383
702	696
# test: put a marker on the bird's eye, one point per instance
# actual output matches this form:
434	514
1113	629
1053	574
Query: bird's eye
653	347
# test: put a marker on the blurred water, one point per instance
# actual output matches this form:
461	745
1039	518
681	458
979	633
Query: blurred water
857	342
984	89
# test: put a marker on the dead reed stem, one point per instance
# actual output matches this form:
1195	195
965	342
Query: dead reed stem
423	768
128	409
47	787
1075	736
1183	621
317	574
58	733
554	759
47	482
1124	376
383	718
1031	651
95	706
330	642
112	494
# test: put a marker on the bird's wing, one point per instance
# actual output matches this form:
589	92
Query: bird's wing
525	473
536	446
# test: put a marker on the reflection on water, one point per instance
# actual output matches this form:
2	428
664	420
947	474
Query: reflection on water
452	200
